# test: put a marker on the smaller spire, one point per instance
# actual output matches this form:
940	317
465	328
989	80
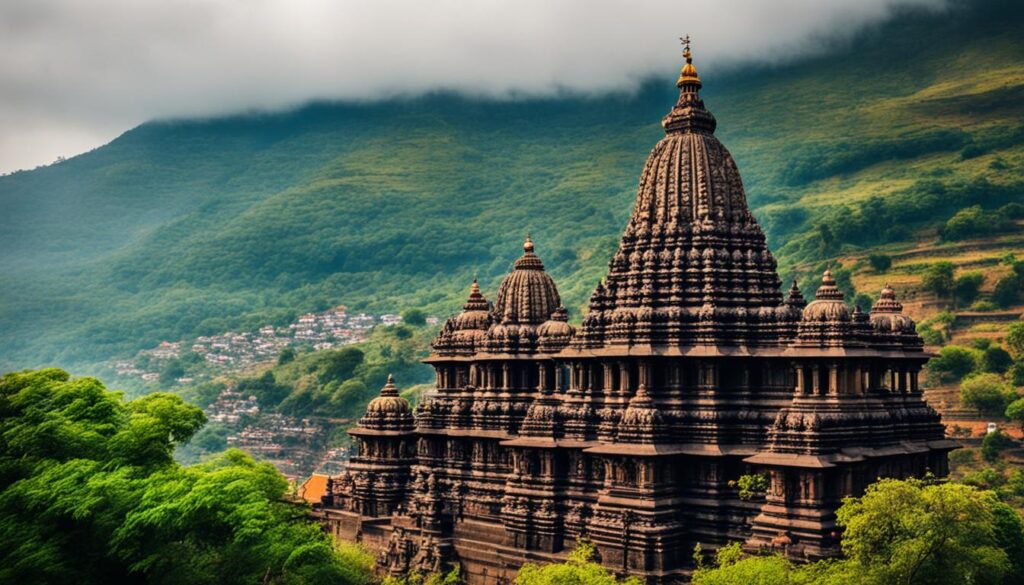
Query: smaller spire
389	388
796	298
476	300
529	260
828	289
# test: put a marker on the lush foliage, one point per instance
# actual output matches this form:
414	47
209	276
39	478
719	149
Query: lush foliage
339	382
900	533
987	392
91	495
954	362
580	568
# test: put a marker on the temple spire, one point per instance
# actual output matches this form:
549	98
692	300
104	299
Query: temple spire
688	76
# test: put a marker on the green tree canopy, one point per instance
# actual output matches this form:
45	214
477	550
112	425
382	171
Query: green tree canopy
580	568
880	262
91	494
900	532
966	286
938	279
414	317
1015	338
986	392
954	362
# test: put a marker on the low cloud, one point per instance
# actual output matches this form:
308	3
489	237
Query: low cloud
75	74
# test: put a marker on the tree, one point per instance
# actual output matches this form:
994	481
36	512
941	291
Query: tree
579	568
903	532
986	392
966	286
1007	291
1015	411
171	372
414	317
91	494
731	567
1015	339
969	222
994	444
996	360
340	365
1016	374
286	356
954	362
880	262
909	532
938	279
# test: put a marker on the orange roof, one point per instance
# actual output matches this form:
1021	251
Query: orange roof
314	488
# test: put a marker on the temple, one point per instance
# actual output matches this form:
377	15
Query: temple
690	370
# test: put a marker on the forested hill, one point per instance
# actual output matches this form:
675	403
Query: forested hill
180	228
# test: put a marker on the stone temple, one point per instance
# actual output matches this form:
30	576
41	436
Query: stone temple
689	370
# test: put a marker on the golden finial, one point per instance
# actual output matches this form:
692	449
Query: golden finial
528	244
689	73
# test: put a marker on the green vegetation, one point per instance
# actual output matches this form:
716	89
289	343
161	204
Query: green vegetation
974	222
339	382
900	532
954	362
987	392
181	228
580	568
938	279
91	494
880	262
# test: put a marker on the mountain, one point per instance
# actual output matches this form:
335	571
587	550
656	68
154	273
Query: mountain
187	227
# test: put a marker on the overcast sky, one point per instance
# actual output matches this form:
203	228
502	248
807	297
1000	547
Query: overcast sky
76	73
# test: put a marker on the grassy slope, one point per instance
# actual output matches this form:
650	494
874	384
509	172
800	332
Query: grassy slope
180	228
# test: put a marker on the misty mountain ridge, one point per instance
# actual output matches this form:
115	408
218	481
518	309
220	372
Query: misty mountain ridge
180	228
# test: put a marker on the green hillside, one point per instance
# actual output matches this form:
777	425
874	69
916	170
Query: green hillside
181	228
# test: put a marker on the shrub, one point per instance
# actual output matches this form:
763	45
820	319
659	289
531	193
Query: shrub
414	317
581	567
983	306
973	221
1015	338
1012	211
938	279
954	362
286	356
751	485
1016	374
880	262
1007	291
1015	411
996	360
986	392
994	444
966	286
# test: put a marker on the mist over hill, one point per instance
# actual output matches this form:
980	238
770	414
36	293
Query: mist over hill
179	228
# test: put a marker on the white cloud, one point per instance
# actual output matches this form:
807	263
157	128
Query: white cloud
74	74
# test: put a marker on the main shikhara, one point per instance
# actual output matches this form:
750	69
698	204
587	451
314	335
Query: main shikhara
690	369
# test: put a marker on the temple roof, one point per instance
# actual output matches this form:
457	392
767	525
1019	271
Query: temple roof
528	295
692	251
